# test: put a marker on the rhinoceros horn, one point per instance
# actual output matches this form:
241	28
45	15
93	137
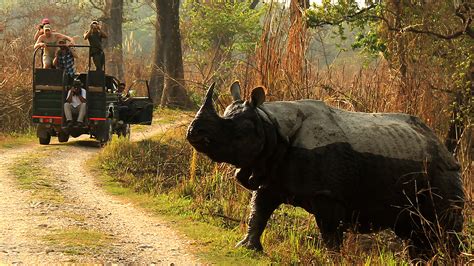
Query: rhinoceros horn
207	107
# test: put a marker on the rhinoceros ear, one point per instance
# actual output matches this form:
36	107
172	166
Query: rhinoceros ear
258	96
235	90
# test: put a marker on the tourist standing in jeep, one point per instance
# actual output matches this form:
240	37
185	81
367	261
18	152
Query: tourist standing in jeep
50	38
65	60
95	35
39	28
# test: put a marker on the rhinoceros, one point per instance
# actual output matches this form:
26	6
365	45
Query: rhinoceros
351	170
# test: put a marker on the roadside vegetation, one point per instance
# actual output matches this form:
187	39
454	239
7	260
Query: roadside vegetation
11	140
78	241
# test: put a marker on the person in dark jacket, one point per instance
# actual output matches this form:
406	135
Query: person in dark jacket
95	35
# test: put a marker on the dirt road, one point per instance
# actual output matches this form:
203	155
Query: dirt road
69	218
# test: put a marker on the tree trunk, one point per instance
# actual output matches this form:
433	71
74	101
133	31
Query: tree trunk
113	44
254	4
157	78
457	125
398	48
304	4
174	93
294	62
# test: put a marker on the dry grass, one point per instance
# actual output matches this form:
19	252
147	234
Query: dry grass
15	85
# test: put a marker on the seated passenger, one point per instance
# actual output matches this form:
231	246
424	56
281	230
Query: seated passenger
65	60
50	38
75	102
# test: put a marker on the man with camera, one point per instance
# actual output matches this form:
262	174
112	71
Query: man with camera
75	102
95	35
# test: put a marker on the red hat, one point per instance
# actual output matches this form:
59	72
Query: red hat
45	21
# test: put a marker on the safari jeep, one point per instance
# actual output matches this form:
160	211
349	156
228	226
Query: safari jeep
108	111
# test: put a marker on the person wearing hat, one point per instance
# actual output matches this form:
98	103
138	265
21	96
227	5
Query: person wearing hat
64	59
75	102
39	28
95	35
50	38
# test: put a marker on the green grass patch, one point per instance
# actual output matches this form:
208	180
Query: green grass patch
74	216
77	241
168	115
163	116
13	140
32	176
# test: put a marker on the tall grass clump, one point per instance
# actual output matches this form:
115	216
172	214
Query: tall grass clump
15	85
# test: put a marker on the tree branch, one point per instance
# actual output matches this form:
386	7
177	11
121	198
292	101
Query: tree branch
460	12
467	30
96	6
347	18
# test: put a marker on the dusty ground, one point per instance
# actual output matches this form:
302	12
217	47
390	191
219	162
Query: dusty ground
82	224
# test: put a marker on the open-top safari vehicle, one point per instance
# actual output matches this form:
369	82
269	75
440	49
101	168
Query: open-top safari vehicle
108	110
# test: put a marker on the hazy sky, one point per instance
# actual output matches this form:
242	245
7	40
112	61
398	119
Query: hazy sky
314	1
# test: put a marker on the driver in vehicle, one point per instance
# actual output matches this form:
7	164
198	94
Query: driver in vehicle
75	102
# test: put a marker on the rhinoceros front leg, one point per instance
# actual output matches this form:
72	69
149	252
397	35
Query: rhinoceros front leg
263	204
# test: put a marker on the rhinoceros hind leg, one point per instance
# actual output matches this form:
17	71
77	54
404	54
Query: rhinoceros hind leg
424	248
329	217
333	240
421	248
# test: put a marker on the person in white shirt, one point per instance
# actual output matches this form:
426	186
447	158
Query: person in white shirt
75	102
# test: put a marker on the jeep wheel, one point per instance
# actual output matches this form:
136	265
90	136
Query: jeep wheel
106	133
63	136
45	141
